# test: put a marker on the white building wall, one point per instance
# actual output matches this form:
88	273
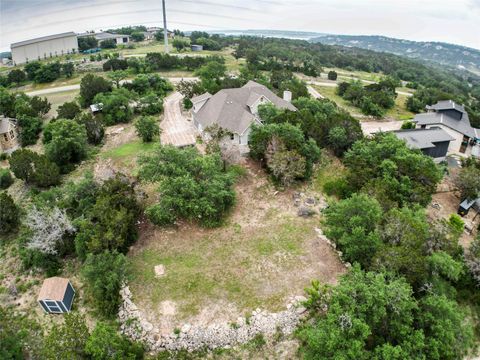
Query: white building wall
44	49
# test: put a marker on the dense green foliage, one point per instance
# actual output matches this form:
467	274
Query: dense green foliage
147	128
93	126
68	110
9	214
386	168
116	108
66	144
87	42
191	186
33	168
90	86
104	274
281	148
468	179
5	179
30	128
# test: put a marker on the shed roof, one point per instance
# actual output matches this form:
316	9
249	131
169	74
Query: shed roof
423	138
43	38
53	289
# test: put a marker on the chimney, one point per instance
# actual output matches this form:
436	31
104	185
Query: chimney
287	96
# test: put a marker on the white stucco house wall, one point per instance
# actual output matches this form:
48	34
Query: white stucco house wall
235	110
44	47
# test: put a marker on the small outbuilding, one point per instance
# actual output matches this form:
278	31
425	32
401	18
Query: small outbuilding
8	135
96	108
196	47
56	295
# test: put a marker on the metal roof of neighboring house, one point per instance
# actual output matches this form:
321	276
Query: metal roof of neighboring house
43	38
446	105
102	35
462	126
53	289
202	97
229	108
5	124
423	138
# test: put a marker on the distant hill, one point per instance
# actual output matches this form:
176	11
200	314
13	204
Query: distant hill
442	53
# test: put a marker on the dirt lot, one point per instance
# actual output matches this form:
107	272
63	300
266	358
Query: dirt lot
261	257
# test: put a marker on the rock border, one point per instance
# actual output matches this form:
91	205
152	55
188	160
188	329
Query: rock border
134	325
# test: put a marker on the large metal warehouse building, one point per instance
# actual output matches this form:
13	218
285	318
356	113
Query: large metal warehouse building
44	47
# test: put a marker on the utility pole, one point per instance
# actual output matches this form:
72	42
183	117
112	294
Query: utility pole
165	30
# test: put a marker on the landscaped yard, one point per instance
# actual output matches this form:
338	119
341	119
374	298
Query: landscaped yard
263	255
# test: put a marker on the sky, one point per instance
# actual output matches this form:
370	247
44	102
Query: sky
452	21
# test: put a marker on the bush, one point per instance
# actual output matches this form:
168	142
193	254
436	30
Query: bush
192	186
108	44
147	128
68	144
332	75
34	168
9	214
93	126
68	110
30	128
338	187
5	179
116	108
103	276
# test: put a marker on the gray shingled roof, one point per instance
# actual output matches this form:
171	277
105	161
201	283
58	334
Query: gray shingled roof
43	38
462	126
446	105
423	138
202	97
229	108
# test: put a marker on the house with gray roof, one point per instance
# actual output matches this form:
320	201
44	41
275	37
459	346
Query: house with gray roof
433	142
236	110
102	36
453	119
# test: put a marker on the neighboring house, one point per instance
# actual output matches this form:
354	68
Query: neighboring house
96	108
56	295
433	142
102	36
452	118
236	110
44	47
8	135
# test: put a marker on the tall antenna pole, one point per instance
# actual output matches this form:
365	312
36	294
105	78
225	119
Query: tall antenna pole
165	30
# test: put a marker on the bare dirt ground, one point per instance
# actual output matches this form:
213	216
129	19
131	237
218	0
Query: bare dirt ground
264	255
372	127
445	202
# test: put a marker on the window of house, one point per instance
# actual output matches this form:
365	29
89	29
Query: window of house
5	136
12	134
232	137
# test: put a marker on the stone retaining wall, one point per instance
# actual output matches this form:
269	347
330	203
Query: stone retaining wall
221	335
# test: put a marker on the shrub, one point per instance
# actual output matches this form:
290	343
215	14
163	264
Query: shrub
9	214
68	110
93	126
34	168
116	108
90	86
30	128
332	75
147	128
5	178
104	274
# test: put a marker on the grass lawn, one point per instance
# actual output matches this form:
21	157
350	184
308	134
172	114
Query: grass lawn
125	156
330	169
398	112
354	74
260	257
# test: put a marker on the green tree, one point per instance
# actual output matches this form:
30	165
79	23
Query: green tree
116	108
147	128
93	126
352	224
386	168
86	43
68	110
106	343
192	186
137	36
31	69
117	76
34	168
103	275
68	69
92	85
30	129
9	214
68	144
68	340
468	182
369	316
108	44
16	77
5	179
332	75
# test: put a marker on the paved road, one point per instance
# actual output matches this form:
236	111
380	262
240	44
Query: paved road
53	90
314	93
176	129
